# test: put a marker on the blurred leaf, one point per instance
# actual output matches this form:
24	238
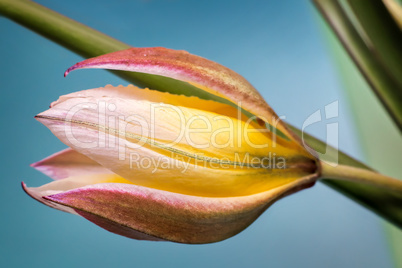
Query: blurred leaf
90	43
396	11
381	142
373	40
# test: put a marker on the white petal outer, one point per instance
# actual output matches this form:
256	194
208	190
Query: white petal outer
131	92
129	210
67	163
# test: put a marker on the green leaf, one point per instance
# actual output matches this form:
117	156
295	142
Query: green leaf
396	11
373	40
90	43
376	140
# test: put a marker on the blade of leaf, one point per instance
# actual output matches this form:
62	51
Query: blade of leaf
90	43
396	11
374	45
385	36
383	130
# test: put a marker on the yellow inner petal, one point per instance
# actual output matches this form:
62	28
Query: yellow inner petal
194	186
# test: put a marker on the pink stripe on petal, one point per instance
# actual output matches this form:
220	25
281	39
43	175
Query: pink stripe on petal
181	65
170	216
117	228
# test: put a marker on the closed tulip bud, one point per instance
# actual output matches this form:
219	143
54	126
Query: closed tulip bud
157	166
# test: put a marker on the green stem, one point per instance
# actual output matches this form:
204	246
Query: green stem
70	34
358	175
77	37
386	204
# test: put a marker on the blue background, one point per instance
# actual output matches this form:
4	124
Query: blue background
277	45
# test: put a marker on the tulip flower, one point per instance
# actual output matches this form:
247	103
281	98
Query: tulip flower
152	165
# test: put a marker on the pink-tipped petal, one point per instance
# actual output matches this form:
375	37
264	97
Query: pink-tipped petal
39	194
68	163
129	210
181	65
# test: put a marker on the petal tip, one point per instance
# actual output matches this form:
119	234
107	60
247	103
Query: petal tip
72	68
23	185
69	70
27	190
